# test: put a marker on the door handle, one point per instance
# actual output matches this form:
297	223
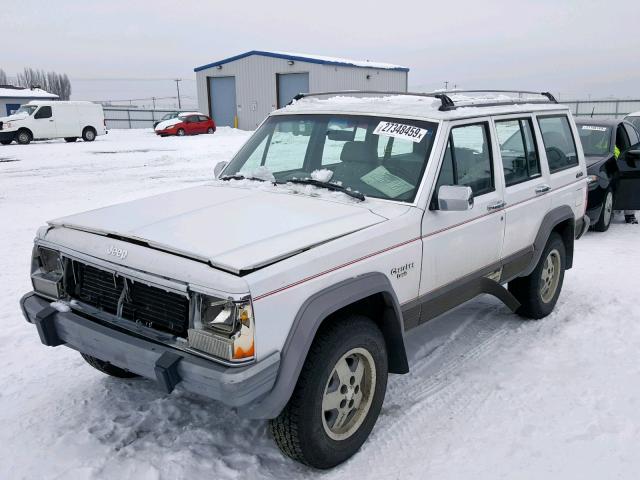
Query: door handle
542	189
496	206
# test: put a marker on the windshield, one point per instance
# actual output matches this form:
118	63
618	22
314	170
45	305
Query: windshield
169	116
379	157
635	121
596	140
28	109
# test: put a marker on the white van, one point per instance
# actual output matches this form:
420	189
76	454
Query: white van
43	120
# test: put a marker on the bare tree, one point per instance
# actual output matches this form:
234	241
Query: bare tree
52	82
3	77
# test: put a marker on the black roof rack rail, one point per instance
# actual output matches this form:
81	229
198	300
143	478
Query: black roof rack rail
447	103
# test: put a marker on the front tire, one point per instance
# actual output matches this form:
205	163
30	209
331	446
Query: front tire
606	215
24	137
88	134
538	292
338	396
106	367
180	132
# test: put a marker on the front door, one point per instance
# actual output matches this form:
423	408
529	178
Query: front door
627	196
222	98
290	85
44	125
459	245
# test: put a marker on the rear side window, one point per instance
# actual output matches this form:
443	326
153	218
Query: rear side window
518	151
559	143
467	160
44	112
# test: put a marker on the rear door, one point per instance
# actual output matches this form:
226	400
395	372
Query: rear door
627	196
566	165
526	182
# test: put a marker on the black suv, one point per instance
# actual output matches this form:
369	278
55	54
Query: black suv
612	153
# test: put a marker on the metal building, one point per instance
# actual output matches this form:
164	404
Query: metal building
12	97
244	89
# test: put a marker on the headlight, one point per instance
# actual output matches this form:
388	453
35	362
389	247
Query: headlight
7	125
224	328
47	272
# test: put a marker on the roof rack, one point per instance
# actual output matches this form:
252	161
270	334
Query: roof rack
447	103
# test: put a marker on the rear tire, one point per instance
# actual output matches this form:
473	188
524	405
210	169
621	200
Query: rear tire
70	139
24	137
211	130
88	134
539	291
338	397
606	215
106	367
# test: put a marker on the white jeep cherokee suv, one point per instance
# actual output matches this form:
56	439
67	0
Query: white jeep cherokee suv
285	288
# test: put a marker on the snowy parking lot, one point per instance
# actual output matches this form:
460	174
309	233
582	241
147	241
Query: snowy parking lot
489	396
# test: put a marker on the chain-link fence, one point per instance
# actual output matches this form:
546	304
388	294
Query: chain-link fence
117	117
603	108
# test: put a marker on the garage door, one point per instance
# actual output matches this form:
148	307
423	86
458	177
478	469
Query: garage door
222	91
12	107
291	84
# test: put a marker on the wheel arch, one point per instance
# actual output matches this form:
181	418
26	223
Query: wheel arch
24	129
363	294
561	220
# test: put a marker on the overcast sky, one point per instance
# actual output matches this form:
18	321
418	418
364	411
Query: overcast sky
571	47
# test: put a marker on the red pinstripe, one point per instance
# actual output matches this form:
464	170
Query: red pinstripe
351	262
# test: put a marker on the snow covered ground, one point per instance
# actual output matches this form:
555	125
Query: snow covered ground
488	397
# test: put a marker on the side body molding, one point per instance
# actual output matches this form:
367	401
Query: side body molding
549	222
309	318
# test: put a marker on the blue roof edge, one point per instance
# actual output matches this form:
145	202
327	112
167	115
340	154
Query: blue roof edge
291	57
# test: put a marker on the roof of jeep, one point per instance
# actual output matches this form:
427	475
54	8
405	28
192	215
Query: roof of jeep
421	107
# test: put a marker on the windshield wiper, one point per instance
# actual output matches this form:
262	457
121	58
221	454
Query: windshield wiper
334	187
237	176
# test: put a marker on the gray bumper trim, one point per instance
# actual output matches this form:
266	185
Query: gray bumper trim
235	387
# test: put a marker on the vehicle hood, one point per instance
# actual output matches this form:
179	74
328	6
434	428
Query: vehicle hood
14	117
593	160
234	229
168	123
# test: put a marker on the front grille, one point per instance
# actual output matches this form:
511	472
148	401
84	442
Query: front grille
128	299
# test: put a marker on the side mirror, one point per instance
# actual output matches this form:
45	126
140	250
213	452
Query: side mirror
455	198
217	170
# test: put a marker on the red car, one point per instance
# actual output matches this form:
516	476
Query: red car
186	124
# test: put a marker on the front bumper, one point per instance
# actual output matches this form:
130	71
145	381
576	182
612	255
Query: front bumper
7	135
233	386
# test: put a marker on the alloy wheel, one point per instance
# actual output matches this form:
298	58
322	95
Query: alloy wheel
348	394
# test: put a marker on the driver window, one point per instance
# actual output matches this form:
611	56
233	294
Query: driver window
43	112
468	160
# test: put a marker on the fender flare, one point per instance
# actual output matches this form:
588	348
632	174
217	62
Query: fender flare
307	322
550	221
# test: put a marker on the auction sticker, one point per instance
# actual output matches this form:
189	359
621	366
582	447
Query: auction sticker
591	127
400	130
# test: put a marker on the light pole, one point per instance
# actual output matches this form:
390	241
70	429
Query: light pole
178	80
